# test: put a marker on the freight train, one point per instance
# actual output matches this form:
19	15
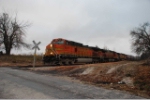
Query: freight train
63	52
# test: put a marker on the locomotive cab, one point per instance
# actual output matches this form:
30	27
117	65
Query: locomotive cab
54	50
55	47
58	41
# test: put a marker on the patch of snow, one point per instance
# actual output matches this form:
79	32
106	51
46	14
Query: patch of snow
128	81
88	71
113	69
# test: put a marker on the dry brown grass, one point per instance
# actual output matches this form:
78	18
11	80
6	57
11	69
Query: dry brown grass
142	79
19	60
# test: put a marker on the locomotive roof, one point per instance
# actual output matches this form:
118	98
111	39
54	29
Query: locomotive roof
72	42
97	49
91	47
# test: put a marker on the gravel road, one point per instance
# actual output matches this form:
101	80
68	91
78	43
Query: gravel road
21	84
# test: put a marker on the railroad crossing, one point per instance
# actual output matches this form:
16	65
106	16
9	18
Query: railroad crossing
35	47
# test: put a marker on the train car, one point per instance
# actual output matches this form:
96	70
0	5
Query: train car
123	56
62	52
110	56
131	58
98	54
116	56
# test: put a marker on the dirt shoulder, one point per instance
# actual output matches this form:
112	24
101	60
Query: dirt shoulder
124	75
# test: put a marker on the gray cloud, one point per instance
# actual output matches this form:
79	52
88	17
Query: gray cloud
93	22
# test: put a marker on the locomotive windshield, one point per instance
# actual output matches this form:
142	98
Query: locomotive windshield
58	42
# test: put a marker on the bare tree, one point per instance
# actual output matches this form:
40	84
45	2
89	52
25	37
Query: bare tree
12	33
141	39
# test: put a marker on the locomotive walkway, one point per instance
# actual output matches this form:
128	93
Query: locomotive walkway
20	84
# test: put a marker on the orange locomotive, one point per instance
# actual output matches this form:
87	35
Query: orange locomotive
61	51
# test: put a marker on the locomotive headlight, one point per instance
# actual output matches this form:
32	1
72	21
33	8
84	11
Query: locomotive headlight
51	45
51	53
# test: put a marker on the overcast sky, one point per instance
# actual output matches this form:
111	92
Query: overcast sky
92	22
